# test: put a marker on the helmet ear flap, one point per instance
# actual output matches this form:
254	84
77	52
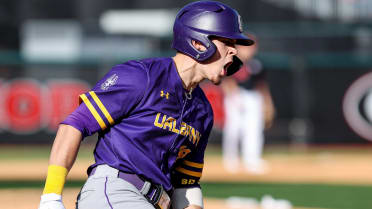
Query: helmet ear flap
198	46
209	52
205	41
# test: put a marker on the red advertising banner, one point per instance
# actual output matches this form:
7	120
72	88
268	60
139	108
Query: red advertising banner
29	106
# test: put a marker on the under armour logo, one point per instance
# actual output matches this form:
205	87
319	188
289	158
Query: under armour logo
162	94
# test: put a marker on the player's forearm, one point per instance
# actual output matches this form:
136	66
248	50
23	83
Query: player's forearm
65	147
62	157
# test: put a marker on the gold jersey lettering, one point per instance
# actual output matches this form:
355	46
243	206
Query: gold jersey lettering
198	135
170	124
188	130
191	181
183	129
174	129
192	136
156	123
184	181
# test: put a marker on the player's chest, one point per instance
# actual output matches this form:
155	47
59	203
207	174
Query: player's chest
168	105
170	114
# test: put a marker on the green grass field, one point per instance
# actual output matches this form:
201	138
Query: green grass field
300	195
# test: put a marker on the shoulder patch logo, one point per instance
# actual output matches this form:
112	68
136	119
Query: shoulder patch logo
109	82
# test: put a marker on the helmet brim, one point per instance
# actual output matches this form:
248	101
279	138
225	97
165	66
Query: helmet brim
242	39
244	42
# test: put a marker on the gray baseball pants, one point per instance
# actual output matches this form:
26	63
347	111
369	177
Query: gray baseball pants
104	190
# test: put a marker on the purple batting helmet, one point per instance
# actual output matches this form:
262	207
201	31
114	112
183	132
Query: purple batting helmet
203	19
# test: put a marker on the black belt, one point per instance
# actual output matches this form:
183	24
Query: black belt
153	192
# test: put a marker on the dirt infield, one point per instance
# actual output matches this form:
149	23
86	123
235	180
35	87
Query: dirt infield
316	167
327	167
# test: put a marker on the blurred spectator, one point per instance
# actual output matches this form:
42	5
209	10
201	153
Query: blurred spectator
248	110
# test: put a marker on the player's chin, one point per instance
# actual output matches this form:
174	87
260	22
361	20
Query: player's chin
217	80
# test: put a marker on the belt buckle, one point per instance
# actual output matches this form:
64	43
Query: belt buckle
160	198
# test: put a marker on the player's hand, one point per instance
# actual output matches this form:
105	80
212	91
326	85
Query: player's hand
51	201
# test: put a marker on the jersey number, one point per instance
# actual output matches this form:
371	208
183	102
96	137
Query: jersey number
183	152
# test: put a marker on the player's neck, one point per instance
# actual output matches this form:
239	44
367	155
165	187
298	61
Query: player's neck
186	68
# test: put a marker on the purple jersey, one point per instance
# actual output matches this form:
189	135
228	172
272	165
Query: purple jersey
146	123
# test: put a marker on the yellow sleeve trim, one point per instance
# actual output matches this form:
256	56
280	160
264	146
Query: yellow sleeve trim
93	111
55	180
102	107
188	172
192	164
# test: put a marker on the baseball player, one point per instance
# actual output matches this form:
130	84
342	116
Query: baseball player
152	119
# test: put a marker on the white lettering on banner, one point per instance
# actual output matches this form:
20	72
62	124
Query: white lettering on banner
27	106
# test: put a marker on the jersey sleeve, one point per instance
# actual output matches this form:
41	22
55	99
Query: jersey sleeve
111	99
188	170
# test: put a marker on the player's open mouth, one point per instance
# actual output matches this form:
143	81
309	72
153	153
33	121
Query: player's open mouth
226	67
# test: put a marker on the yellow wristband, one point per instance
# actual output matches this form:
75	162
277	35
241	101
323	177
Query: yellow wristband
55	179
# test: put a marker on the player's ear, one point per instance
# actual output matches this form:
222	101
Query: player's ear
198	45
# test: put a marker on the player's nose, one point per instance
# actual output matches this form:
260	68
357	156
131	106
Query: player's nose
233	50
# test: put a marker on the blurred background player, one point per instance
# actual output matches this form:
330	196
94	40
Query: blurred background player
249	109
